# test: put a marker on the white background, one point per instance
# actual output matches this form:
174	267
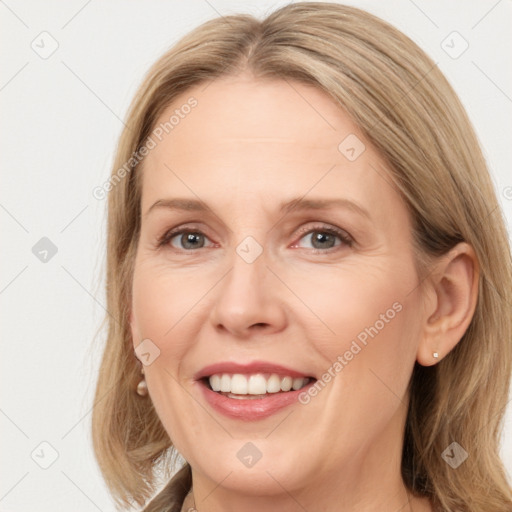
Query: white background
61	118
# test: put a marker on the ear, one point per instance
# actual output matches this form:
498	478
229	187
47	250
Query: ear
454	286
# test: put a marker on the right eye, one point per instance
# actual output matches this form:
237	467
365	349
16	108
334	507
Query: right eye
184	239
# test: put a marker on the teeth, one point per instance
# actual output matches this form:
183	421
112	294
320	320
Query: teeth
239	384
286	383
256	384
274	384
215	382
225	383
297	383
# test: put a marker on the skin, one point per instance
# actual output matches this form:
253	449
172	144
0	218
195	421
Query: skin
248	146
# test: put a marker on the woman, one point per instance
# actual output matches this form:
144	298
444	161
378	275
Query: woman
308	276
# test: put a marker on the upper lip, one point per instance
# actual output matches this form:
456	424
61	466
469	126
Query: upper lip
248	368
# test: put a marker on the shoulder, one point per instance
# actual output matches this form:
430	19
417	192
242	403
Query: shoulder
172	497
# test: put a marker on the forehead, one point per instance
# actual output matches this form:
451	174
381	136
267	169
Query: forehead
248	139
239	111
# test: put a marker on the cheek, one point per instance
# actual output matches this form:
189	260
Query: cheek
365	329
354	302
161	300
368	357
164	306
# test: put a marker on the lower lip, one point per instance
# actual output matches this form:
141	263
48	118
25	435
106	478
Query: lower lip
251	409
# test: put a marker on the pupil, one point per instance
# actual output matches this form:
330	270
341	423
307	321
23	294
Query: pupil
324	240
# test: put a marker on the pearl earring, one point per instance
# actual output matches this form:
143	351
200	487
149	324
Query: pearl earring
435	355
142	387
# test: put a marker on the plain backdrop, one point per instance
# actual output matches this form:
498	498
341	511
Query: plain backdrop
61	117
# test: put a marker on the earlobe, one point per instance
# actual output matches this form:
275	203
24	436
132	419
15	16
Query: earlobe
428	354
455	285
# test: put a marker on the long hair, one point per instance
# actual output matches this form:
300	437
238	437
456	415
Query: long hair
405	106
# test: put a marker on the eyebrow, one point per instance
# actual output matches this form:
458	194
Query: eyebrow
298	204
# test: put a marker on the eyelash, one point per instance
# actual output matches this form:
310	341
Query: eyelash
322	228
345	238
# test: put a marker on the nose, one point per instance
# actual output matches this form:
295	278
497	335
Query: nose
249	300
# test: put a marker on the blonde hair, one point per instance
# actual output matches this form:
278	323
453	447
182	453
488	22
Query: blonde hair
406	108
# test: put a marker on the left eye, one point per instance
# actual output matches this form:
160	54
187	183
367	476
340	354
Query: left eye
188	240
322	239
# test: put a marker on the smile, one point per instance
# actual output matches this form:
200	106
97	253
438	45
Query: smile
259	385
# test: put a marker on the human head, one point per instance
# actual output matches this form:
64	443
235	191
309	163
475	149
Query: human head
405	108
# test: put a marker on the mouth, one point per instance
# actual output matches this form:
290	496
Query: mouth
252	404
251	391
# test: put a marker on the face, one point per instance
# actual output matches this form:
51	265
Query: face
274	247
